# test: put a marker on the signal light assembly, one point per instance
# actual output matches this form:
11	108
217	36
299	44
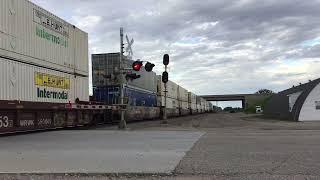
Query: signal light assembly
166	59
132	76
165	77
149	66
137	65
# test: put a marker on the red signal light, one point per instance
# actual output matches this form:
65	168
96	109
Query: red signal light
137	65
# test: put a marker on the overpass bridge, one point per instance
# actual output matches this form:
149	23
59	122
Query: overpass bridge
247	99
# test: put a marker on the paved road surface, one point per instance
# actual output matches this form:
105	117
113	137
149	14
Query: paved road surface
95	151
235	146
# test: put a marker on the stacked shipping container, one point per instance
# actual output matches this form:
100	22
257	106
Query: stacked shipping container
106	64
183	101
43	69
41	55
172	96
140	94
192	102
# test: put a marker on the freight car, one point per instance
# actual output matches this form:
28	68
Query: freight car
192	103
145	105
183	101
43	71
142	104
172	97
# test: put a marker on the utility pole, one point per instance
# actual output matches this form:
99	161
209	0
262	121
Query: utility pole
122	123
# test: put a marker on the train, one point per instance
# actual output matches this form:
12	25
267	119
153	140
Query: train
146	105
44	73
144	96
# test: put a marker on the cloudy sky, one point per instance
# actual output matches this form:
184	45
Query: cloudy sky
216	46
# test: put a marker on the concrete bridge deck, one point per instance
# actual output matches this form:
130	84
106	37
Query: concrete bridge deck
247	99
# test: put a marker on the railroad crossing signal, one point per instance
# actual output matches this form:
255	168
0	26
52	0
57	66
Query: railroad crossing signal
137	65
149	66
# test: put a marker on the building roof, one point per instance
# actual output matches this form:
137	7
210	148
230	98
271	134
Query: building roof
299	88
278	105
307	88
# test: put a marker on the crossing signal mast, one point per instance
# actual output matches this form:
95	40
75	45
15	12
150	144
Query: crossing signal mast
127	74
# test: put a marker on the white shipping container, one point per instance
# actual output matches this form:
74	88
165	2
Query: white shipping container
182	97
31	34
182	94
203	104
199	107
21	82
183	104
172	88
171	103
192	99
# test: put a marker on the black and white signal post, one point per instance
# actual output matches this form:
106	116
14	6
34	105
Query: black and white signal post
165	79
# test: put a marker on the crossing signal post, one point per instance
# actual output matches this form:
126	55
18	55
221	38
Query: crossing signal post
165	79
122	123
127	74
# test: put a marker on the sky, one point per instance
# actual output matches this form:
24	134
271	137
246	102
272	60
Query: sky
215	46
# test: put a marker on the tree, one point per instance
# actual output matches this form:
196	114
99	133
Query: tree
264	91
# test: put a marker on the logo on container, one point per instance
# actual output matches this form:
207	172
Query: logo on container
44	93
50	37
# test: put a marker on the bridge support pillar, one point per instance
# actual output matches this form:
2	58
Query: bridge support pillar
243	104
